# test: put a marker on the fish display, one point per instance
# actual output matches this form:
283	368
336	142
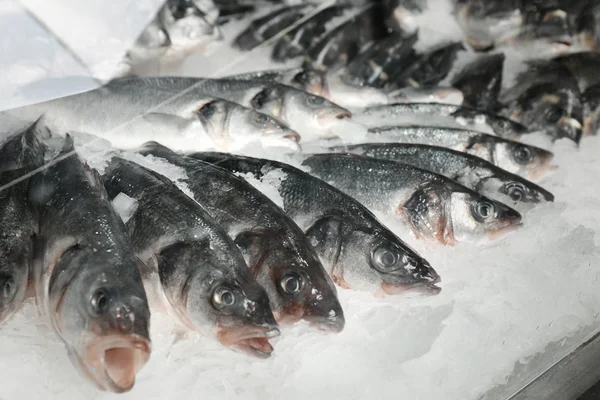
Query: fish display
201	272
86	276
357	250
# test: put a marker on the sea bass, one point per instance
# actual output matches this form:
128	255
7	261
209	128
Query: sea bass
276	250
356	249
204	278
433	206
87	279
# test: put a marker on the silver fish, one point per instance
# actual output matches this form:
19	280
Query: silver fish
528	161
432	206
204	278
357	250
87	279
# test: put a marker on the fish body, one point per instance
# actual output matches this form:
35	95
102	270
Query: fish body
87	279
528	161
131	111
468	170
352	244
276	250
432	206
203	275
472	118
20	153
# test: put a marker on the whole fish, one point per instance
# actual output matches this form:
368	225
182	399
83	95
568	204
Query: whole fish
264	28
528	161
20	153
87	279
204	278
470	117
298	40
480	81
131	111
433	206
278	253
466	169
340	44
319	83
356	249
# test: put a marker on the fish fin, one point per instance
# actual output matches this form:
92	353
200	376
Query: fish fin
325	237
255	248
95	179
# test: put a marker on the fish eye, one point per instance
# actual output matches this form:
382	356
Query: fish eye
385	259
223	297
484	211
291	283
99	301
554	114
261	118
315	100
7	290
515	192
522	154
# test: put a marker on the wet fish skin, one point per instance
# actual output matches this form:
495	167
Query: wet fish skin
468	170
433	206
481	81
276	250
434	65
470	117
87	282
20	153
347	236
195	260
528	161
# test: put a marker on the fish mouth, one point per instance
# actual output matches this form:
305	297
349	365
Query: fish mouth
572	128
249	340
498	233
392	289
327	325
113	362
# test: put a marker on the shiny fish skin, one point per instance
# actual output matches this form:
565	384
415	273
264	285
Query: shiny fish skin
275	248
470	117
466	169
349	239
431	205
195	260
87	282
528	161
20	153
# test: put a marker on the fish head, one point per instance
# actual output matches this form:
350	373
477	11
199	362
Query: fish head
302	110
507	128
296	282
557	111
370	259
589	27
226	121
517	193
528	161
219	296
102	315
14	276
311	81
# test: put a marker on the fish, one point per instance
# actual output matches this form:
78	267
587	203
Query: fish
403	14
470	171
357	250
591	110
432	66
480	81
87	279
528	161
130	111
297	41
344	41
206	284
434	94
21	153
276	250
265	27
471	118
319	83
546	97
434	207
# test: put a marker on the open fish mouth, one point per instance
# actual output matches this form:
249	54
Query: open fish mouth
113	362
250	340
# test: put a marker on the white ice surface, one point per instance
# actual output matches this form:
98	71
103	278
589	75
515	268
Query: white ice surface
501	303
